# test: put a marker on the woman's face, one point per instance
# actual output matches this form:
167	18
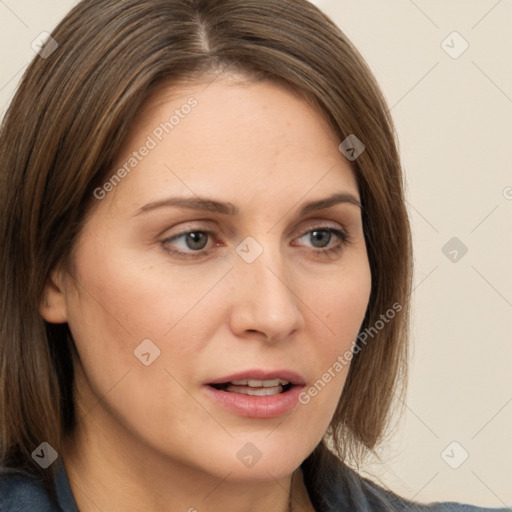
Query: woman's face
262	288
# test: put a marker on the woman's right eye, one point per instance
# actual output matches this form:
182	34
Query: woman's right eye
189	243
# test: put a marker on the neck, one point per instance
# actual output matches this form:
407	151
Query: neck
115	472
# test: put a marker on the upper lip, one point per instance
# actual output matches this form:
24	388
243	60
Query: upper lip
260	374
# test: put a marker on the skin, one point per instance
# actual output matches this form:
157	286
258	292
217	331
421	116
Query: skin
148	437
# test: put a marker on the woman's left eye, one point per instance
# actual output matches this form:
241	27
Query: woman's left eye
193	243
323	236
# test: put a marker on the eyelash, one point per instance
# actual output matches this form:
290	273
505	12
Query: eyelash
339	233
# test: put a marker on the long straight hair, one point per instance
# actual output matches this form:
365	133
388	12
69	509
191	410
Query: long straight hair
62	133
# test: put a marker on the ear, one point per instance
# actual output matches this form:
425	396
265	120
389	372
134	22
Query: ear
53	307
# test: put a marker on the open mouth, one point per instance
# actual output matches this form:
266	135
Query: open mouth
257	393
255	387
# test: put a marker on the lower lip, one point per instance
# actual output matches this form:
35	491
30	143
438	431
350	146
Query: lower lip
271	406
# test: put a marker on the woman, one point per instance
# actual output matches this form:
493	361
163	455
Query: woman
208	264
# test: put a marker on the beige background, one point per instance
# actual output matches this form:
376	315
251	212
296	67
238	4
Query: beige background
453	117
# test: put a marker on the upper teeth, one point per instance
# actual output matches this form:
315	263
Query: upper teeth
260	383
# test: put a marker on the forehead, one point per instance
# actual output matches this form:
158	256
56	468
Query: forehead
253	139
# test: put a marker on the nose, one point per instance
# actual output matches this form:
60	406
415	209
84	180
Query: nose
264	301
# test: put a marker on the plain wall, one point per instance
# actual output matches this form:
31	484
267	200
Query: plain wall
453	118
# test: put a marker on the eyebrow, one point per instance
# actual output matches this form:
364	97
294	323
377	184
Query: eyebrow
226	208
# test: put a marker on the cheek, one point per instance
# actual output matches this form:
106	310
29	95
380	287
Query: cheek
339	306
121	305
126	299
140	294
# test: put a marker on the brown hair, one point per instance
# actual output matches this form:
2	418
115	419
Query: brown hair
61	135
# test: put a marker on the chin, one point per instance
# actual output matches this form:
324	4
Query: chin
252	459
267	455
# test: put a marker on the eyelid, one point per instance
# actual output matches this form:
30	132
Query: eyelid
320	223
193	226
